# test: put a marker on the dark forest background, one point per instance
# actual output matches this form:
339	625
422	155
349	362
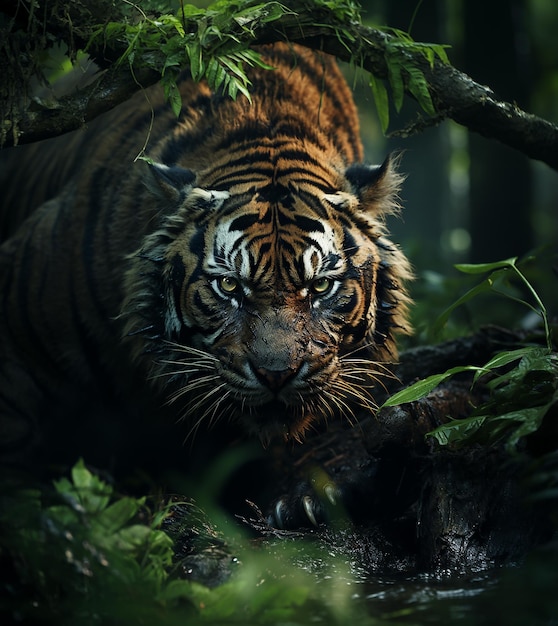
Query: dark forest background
499	202
468	199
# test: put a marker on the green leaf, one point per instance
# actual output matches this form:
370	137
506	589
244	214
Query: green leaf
243	90
430	56
482	268
114	517
221	603
172	94
253	58
234	68
175	22
278	601
442	319
82	478
262	14
529	420
520	399
65	515
381	100
419	88
189	11
504	358
440	50
180	590
400	64
215	74
130	538
457	430
422	388
86	489
396	80
232	89
197	66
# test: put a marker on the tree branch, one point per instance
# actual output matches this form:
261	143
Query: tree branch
454	94
56	117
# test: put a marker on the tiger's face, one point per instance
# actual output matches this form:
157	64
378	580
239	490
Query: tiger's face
278	298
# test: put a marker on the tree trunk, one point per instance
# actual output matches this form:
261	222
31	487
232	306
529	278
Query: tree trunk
426	193
500	194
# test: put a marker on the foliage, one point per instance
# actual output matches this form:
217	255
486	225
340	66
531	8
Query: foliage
92	557
520	396
401	72
499	273
82	553
215	43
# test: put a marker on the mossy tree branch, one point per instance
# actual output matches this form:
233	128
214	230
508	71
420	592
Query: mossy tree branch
454	94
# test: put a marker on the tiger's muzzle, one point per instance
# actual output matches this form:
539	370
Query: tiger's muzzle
280	357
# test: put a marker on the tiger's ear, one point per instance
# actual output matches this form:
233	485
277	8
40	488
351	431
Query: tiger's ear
376	186
170	184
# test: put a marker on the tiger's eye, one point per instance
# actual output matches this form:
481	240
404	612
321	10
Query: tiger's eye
228	284
322	285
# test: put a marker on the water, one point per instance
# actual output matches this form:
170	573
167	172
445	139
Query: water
524	595
426	599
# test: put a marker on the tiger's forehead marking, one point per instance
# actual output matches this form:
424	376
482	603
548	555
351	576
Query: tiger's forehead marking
297	245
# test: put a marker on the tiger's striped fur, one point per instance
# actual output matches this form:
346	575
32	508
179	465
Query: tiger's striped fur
244	274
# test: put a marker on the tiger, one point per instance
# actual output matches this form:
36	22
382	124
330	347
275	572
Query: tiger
240	273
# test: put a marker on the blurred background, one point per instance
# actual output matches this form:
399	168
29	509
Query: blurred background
468	199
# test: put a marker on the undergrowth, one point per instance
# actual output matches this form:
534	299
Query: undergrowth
523	383
85	555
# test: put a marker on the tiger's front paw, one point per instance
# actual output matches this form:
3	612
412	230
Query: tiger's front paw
310	505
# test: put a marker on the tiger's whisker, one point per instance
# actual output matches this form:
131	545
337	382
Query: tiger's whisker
192	386
177	372
344	408
190	350
203	417
203	399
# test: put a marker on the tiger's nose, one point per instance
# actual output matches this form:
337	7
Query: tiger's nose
274	379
